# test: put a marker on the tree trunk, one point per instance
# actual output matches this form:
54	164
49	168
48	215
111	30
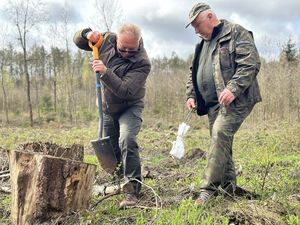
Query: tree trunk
28	88
37	98
4	95
298	114
45	186
54	91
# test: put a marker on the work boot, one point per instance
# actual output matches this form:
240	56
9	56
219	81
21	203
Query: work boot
204	196
129	200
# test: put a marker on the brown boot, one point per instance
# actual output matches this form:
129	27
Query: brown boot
129	200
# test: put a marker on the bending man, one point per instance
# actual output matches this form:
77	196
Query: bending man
124	67
223	85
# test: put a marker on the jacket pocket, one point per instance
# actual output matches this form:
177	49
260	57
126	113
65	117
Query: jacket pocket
225	59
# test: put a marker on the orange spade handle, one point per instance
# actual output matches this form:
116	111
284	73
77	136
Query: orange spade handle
95	47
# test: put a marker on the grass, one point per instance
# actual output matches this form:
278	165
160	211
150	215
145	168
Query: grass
266	155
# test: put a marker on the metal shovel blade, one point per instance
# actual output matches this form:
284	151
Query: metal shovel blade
105	154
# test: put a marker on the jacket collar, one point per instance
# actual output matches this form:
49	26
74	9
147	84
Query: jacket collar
225	30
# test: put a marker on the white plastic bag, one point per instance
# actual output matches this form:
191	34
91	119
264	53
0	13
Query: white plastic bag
177	150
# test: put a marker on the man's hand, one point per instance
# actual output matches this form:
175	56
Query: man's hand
191	103
93	36
98	66
226	97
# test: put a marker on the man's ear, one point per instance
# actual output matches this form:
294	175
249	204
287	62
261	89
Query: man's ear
209	15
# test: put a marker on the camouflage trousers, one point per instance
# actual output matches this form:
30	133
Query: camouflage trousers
223	123
123	129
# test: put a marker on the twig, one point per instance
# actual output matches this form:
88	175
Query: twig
5	190
156	199
5	175
3	172
57	221
138	206
143	207
105	197
265	176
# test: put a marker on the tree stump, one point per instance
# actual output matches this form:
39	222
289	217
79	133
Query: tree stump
50	184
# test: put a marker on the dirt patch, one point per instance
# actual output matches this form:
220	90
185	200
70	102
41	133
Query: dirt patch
254	213
196	153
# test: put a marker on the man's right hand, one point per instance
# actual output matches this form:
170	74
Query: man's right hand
191	103
93	36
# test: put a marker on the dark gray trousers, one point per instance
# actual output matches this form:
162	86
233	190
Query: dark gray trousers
224	122
123	129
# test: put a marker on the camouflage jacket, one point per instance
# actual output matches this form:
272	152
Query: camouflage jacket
235	64
125	79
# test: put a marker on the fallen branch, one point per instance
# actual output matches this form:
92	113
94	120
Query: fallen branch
5	175
105	189
142	207
106	197
4	172
5	190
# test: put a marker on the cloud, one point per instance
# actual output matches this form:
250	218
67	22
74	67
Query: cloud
267	17
163	22
163	26
53	10
272	22
274	10
57	10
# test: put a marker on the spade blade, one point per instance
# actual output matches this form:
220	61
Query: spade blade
105	154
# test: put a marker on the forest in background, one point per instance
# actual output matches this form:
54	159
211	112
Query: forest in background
43	83
62	87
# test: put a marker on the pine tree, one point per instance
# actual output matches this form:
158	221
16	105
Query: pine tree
290	52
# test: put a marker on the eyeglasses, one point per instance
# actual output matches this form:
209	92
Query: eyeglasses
129	51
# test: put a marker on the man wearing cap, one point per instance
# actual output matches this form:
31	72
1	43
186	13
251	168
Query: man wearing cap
223	85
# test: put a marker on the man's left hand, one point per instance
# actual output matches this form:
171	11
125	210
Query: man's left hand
98	66
226	97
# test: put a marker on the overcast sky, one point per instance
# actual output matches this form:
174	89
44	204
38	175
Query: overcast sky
163	21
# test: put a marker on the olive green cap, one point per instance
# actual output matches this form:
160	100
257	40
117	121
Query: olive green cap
196	10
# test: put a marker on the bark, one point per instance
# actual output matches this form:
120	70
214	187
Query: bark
54	91
37	98
28	94
4	95
46	187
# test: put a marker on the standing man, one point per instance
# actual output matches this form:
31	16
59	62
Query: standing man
223	85
124	66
